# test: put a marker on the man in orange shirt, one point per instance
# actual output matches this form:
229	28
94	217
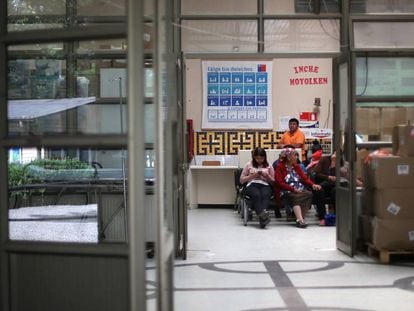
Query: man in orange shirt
294	137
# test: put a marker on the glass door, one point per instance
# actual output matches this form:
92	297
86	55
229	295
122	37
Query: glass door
344	146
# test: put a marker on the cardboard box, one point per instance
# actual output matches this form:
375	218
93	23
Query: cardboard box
390	203
389	172
403	140
360	156
393	234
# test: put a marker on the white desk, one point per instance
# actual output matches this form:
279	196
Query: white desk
211	185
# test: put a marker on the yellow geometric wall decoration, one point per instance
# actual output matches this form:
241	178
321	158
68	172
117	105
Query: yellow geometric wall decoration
229	143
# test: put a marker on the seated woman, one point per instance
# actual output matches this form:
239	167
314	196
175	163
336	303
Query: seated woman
259	176
324	174
291	181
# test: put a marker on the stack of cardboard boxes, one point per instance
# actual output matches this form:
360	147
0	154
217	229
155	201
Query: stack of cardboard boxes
388	220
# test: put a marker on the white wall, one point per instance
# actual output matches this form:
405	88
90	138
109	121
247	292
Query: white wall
288	100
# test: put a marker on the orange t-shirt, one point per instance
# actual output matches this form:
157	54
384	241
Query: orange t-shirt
296	138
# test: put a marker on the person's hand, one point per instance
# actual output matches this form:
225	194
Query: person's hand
332	178
264	172
254	174
316	187
297	191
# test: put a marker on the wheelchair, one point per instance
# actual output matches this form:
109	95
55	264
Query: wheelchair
242	200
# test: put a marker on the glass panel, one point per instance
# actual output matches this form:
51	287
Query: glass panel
94	46
149	82
382	6
228	7
66	195
100	78
302	35
36	7
102	8
390	35
36	79
384	76
46	49
148	36
42	100
382	118
219	36
24	27
300	6
149	8
343	114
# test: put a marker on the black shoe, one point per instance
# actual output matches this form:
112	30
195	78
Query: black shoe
264	219
250	215
301	224
277	213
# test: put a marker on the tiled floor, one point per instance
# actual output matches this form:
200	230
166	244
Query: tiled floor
233	267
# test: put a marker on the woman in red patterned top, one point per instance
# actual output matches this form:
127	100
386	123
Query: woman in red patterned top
291	181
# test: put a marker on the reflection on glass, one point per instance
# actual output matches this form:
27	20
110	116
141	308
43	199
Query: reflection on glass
101	77
75	197
302	35
148	36
36	78
24	27
101	8
292	6
384	6
44	49
229	7
384	76
36	7
390	35
382	118
94	46
219	36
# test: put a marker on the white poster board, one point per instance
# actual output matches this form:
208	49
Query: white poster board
237	95
109	82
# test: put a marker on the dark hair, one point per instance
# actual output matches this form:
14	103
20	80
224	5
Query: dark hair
294	120
315	146
261	153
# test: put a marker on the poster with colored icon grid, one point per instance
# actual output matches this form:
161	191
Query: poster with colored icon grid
237	95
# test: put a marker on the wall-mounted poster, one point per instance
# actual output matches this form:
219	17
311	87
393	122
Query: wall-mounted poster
237	95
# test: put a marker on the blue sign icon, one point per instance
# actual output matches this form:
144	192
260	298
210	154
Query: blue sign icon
212	77
249	101
212	101
225	101
261	101
249	89
225	89
237	89
213	89
261	77
261	89
237	101
249	78
225	77
236	77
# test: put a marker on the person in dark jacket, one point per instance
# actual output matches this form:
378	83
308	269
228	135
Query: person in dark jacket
291	181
